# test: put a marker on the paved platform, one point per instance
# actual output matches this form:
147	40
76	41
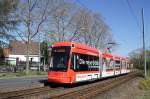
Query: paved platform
11	84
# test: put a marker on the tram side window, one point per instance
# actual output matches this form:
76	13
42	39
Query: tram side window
81	62
75	62
117	63
108	63
123	64
93	64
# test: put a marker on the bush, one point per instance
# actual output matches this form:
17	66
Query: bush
145	84
146	97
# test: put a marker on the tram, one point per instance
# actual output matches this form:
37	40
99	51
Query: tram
74	62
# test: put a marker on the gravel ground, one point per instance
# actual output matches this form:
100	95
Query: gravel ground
128	90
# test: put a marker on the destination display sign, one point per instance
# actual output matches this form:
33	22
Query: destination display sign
59	50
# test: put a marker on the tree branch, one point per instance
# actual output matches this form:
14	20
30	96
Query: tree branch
34	4
43	18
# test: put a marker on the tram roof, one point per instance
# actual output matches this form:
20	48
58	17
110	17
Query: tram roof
76	45
86	47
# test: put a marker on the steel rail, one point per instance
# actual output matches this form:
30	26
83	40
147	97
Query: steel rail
80	92
95	89
26	92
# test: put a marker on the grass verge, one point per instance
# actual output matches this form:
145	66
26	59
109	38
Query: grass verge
145	84
22	74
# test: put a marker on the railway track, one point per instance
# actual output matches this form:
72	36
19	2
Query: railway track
27	92
80	92
20	93
91	91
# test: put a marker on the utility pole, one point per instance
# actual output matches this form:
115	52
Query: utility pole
144	52
39	53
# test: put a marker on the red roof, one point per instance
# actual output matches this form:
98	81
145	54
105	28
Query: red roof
6	52
20	48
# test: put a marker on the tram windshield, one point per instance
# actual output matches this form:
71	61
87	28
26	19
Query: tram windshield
59	58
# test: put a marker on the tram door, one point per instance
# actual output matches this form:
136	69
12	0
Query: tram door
104	67
100	65
104	64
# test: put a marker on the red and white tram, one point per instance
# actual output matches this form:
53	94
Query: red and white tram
74	62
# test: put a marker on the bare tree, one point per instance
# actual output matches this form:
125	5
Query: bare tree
60	20
90	29
32	15
101	34
72	23
80	26
7	20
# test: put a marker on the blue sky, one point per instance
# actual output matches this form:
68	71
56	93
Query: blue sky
122	22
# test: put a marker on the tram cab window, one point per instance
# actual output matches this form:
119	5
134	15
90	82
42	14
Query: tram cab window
59	59
82	62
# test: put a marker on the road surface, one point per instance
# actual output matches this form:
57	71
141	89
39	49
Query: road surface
9	84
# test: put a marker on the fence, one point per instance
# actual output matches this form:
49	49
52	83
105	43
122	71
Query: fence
9	64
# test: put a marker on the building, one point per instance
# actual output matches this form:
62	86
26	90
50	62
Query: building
17	52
